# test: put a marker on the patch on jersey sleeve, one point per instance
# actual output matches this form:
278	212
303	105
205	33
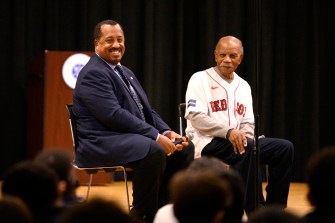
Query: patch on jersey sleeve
191	103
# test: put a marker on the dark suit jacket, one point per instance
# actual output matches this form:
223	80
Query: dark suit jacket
109	124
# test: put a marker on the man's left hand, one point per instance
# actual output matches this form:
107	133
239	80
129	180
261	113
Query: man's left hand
173	136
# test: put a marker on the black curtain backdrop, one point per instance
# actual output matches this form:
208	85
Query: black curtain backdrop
167	41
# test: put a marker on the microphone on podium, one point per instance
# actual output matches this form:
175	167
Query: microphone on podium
189	136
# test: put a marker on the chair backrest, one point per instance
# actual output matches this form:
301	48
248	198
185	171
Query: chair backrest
182	120
73	126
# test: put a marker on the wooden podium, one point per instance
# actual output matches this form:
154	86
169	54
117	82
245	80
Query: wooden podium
47	122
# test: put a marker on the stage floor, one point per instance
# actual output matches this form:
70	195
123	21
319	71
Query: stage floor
297	202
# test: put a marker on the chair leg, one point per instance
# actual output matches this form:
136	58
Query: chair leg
180	126
127	191
89	186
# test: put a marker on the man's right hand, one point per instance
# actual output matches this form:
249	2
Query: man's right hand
167	144
239	141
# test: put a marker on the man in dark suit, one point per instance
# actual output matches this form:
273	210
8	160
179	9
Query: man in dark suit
116	124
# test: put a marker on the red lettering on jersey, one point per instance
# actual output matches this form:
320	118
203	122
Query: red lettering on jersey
219	105
224	105
240	109
215	106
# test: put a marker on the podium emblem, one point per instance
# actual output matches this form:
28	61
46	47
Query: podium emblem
71	68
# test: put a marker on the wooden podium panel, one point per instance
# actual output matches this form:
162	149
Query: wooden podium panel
48	123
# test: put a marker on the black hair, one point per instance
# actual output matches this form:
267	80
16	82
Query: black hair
97	28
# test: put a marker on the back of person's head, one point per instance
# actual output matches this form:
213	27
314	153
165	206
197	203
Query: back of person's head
60	161
199	196
205	162
95	210
273	214
320	173
34	183
235	211
14	210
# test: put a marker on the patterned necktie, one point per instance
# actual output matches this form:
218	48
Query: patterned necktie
124	78
131	90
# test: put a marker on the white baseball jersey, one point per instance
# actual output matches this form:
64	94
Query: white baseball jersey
227	103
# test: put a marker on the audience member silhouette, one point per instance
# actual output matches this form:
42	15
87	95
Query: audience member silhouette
272	214
36	185
14	210
320	173
234	211
200	196
60	161
94	211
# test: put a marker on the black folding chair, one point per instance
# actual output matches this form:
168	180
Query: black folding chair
93	170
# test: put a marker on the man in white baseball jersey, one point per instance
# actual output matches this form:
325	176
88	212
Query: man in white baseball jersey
220	115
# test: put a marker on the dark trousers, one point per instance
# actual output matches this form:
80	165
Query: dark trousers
151	176
276	153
